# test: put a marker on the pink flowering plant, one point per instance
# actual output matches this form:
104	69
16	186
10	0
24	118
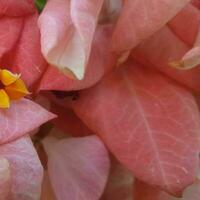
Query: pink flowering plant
99	99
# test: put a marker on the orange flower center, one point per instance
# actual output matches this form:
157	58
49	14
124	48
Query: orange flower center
12	87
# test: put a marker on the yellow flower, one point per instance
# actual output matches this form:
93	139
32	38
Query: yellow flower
11	88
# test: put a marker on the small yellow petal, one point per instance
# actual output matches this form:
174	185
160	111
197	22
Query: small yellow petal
17	90
4	99
8	77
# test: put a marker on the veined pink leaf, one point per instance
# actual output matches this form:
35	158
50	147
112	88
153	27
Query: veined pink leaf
26	170
74	23
163	48
78	167
22	117
120	183
150	123
13	8
5	178
101	61
140	19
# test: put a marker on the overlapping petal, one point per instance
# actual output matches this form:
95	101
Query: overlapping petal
68	46
142	18
101	61
150	123
22	117
78	167
25	169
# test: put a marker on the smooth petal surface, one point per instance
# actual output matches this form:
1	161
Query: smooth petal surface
148	122
26	170
22	117
74	22
78	167
140	19
100	62
163	48
120	183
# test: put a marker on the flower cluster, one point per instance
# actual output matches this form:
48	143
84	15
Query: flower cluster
99	99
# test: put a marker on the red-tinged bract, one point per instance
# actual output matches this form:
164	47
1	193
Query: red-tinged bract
150	123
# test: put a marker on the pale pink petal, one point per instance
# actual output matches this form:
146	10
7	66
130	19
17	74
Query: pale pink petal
26	170
100	62
5	178
22	117
150	123
78	167
120	183
140	19
73	24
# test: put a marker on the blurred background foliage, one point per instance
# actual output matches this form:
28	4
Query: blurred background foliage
40	4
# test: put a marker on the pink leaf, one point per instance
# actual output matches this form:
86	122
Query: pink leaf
101	61
26	169
148	122
22	117
74	23
140	19
78	167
